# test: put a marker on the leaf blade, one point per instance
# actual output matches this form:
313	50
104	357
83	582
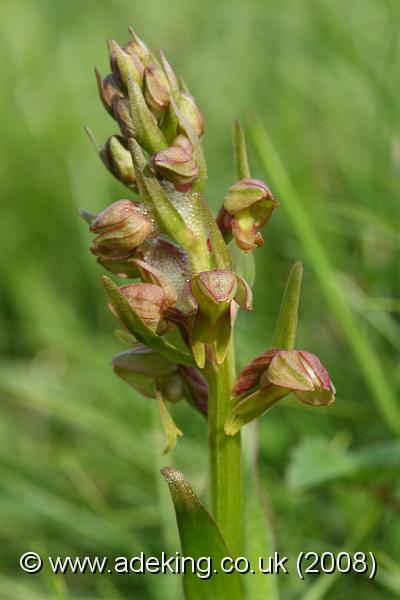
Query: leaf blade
286	326
200	537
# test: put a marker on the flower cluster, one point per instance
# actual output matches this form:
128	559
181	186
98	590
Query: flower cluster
178	308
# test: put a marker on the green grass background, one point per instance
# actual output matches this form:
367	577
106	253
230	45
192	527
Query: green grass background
79	450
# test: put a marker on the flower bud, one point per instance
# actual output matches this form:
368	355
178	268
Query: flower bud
122	115
118	160
303	373
250	204
211	293
149	301
125	65
191	112
176	165
156	88
108	90
121	227
273	375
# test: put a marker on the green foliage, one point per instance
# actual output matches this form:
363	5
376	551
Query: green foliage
200	537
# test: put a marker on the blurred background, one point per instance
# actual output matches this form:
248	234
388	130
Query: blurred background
79	450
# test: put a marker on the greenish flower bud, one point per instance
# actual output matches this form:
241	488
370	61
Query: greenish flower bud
125	65
120	228
108	90
176	165
250	204
156	89
211	293
118	160
191	112
273	375
122	115
149	301
304	374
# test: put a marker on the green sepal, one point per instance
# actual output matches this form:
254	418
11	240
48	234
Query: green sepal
286	326
157	200
200	537
253	406
136	326
145	124
240	160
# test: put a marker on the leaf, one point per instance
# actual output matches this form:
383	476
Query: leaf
157	200
171	430
144	122
319	461
286	327
136	326
240	160
200	537
220	250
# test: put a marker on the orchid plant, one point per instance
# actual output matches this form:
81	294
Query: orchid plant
185	282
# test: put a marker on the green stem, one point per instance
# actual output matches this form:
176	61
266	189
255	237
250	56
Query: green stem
225	469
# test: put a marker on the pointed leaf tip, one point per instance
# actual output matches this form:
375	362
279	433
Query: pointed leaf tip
286	327
200	537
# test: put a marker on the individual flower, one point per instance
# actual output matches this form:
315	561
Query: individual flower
211	294
149	301
273	375
120	228
118	160
176	165
247	206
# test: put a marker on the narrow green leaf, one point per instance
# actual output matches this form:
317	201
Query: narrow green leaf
198	153
240	160
148	133
136	326
220	250
286	326
200	537
157	200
